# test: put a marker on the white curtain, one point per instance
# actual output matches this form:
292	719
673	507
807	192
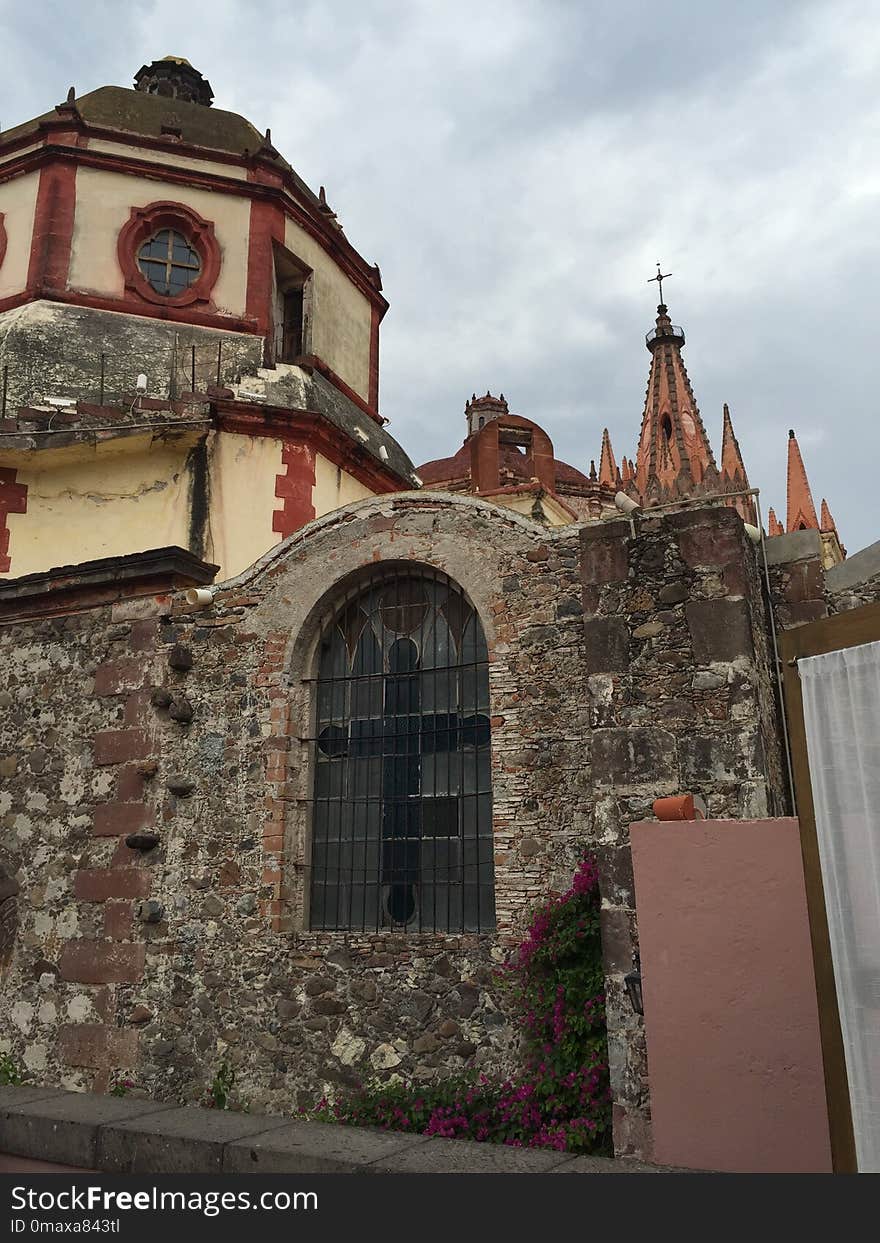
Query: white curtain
841	694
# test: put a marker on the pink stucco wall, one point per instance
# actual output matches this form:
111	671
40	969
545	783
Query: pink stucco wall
734	1059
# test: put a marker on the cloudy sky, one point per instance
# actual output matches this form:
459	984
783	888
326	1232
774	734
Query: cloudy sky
517	167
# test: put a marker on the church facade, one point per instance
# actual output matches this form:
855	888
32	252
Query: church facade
291	816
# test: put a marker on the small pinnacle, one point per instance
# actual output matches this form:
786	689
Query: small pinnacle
268	136
791	433
71	95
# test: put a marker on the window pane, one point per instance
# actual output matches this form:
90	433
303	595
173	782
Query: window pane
155	249
182	252
402	810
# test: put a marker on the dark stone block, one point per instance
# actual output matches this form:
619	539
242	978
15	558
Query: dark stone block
606	644
617	926
623	757
805	611
180	658
616	882
720	629
672	593
569	606
711	761
604	555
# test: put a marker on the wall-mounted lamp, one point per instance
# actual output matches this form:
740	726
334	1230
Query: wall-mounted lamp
199	597
752	532
633	982
625	503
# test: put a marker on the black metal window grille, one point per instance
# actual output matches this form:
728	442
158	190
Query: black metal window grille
169	263
402	799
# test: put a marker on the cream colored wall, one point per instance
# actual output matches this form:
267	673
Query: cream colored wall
171	158
18	152
243	472
103	203
334	487
340	314
524	503
128	496
102	503
18	202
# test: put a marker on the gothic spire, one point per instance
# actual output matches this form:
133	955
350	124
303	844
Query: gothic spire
733	470
608	472
827	522
801	514
774	526
674	454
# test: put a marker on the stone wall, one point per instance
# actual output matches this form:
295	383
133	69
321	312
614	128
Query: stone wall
679	695
621	669
855	582
804	591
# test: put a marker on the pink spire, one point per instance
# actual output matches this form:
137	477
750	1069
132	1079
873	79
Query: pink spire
608	472
774	526
801	510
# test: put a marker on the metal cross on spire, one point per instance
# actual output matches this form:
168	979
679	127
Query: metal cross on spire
660	278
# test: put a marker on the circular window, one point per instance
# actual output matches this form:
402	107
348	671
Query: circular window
169	263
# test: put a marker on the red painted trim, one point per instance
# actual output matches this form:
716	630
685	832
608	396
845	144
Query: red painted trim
331	240
133	306
304	426
53	228
375	320
266	228
295	488
13	500
142	224
3	238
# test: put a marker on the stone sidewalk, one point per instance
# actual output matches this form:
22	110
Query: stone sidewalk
45	1129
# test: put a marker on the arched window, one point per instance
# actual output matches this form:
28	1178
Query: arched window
402	799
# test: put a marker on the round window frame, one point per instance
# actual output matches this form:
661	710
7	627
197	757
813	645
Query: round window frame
143	224
192	271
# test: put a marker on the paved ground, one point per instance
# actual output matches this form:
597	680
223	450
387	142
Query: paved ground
45	1129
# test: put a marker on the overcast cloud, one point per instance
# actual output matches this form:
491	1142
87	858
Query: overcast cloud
516	167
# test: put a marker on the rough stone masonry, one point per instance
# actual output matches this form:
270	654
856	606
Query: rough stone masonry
623	666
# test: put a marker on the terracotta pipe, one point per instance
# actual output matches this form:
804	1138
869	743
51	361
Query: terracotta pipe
677	807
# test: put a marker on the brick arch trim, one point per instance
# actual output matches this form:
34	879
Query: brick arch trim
142	224
302	648
3	238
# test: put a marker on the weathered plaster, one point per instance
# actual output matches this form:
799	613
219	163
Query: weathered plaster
93	502
18	199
